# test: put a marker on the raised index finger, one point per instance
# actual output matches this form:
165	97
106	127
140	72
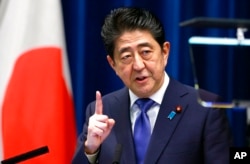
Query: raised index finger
98	103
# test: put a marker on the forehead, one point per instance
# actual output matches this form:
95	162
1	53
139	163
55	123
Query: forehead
133	38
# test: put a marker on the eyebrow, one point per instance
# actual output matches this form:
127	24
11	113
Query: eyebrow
144	44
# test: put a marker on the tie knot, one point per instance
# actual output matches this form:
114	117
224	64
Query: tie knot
144	104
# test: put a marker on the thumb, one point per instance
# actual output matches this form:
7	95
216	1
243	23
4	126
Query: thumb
111	123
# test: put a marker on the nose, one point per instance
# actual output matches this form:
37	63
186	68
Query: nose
138	63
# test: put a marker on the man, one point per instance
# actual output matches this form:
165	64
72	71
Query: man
181	130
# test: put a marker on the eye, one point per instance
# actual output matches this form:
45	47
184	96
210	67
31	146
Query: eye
146	54
126	58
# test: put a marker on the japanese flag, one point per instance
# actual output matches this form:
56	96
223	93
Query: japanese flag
35	95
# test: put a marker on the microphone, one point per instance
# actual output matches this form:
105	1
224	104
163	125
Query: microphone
27	155
117	155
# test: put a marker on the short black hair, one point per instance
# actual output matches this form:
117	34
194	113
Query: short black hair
129	19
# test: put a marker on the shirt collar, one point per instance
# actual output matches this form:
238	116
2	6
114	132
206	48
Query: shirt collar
157	96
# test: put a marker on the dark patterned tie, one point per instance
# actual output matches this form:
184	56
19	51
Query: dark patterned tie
142	129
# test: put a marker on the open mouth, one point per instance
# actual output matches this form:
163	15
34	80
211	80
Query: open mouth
141	78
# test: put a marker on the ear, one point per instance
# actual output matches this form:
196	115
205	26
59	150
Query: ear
111	62
165	51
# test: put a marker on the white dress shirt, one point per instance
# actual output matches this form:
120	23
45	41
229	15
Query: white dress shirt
154	110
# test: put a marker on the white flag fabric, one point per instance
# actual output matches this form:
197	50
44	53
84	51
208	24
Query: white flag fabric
35	95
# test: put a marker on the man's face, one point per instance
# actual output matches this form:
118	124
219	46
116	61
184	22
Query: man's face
140	62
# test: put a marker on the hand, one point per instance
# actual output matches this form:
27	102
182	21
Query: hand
99	127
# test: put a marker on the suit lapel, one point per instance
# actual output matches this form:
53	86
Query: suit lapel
165	127
122	128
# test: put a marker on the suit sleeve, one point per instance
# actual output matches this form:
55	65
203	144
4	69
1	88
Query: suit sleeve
217	137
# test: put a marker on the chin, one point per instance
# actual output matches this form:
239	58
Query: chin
144	93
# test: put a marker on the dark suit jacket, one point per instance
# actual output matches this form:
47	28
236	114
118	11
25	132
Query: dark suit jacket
196	135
